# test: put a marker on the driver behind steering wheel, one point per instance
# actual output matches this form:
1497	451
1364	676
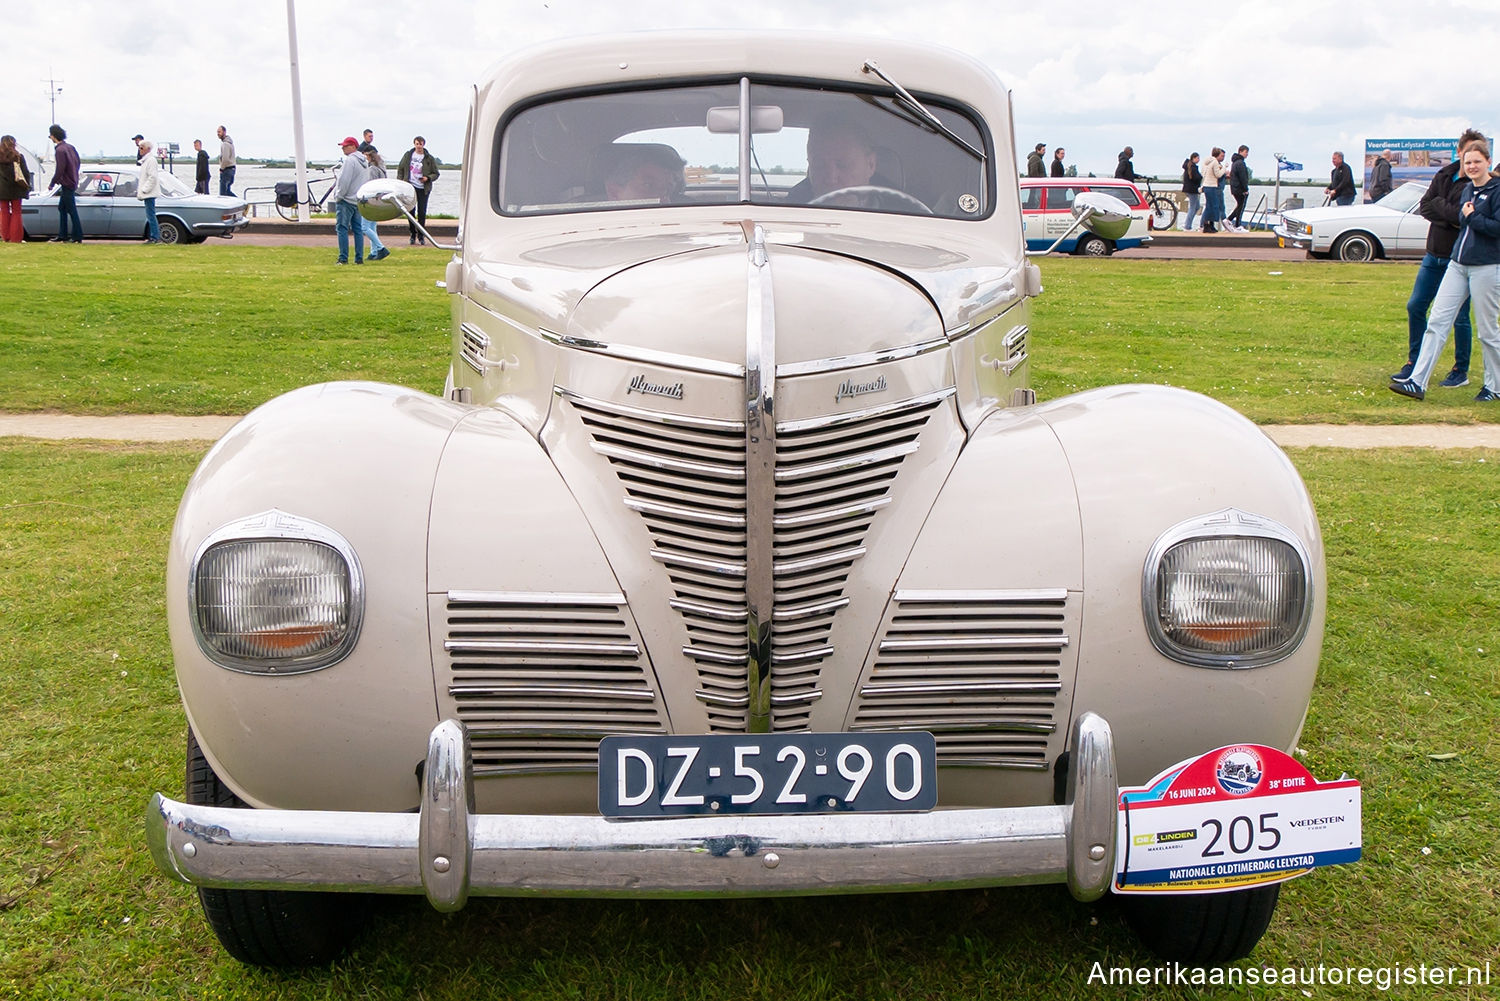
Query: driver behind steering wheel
839	155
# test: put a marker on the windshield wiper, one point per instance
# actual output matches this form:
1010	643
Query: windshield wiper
921	110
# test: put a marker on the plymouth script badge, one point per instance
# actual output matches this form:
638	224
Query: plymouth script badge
849	389
640	384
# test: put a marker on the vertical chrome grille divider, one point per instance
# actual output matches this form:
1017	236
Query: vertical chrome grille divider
760	475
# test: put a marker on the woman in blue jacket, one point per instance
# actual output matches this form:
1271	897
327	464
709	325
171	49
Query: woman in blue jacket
1473	272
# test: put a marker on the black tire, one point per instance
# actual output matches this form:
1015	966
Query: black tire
1356	246
287	212
1202	929
1090	245
172	231
278	928
1163	213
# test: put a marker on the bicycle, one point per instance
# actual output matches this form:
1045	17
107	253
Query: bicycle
287	201
1163	208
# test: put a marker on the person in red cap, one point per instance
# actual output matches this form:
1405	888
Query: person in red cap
354	169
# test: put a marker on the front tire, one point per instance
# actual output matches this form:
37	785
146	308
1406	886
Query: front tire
1356	247
1202	929
278	928
1093	246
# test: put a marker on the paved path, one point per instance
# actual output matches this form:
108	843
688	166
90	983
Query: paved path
169	428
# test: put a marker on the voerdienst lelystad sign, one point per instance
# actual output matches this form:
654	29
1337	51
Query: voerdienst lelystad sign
1239	816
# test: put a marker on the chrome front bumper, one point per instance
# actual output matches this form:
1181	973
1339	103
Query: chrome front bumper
447	851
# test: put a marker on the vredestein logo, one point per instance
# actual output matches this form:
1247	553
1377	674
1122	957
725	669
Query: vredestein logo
850	389
640	384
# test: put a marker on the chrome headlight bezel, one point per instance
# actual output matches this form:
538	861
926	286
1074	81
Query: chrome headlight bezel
279	526
1228	524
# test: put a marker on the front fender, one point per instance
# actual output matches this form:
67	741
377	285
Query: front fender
434	498
1070	496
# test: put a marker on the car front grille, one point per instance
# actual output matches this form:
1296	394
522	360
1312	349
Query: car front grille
539	678
686	478
982	670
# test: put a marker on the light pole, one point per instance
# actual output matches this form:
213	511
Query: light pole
301	156
54	87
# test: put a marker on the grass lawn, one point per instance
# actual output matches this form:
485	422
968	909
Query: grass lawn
220	328
1406	702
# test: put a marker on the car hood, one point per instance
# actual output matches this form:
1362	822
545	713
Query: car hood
835	292
1340	214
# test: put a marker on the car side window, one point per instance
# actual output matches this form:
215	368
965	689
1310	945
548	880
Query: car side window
1061	199
125	188
1121	192
1031	199
95	184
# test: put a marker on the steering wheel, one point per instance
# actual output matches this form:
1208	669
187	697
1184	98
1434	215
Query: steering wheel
872	196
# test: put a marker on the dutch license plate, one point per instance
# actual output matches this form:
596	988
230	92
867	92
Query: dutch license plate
649	776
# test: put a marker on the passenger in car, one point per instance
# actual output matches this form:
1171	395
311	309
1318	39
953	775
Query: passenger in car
839	155
644	172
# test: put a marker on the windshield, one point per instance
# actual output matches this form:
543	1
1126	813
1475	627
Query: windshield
681	145
1403	198
173	186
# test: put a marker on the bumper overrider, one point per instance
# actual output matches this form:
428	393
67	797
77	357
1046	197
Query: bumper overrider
448	851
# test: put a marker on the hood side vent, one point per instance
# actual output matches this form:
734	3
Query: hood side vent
982	670
539	678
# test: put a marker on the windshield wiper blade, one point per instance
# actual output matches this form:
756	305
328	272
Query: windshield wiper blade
921	109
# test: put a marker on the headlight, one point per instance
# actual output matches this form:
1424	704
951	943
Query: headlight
1229	590
275	594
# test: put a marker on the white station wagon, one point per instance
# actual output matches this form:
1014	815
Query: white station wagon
737	556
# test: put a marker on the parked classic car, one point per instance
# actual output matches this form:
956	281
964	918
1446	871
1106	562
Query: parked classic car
1391	227
108	207
737	556
1047	213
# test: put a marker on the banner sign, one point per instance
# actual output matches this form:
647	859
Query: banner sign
1239	816
1411	159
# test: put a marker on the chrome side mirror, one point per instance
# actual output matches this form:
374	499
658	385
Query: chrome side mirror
1101	214
384	198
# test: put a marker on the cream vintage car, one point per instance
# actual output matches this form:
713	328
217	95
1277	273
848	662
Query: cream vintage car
737	556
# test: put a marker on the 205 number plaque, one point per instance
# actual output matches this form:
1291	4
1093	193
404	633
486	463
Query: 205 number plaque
649	776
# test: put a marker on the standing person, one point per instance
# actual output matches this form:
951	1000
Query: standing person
1057	163
1239	186
354	170
1214	173
420	168
65	177
369	137
378	251
16	183
1340	182
1380	178
202	176
1473	272
1440	206
1035	165
1192	186
1126	166
147	186
226	162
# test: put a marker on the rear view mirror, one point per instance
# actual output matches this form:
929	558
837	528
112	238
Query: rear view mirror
764	118
1101	214
383	198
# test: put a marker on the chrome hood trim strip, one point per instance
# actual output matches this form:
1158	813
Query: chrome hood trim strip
760	475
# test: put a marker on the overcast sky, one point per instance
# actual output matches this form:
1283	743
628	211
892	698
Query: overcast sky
1299	77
